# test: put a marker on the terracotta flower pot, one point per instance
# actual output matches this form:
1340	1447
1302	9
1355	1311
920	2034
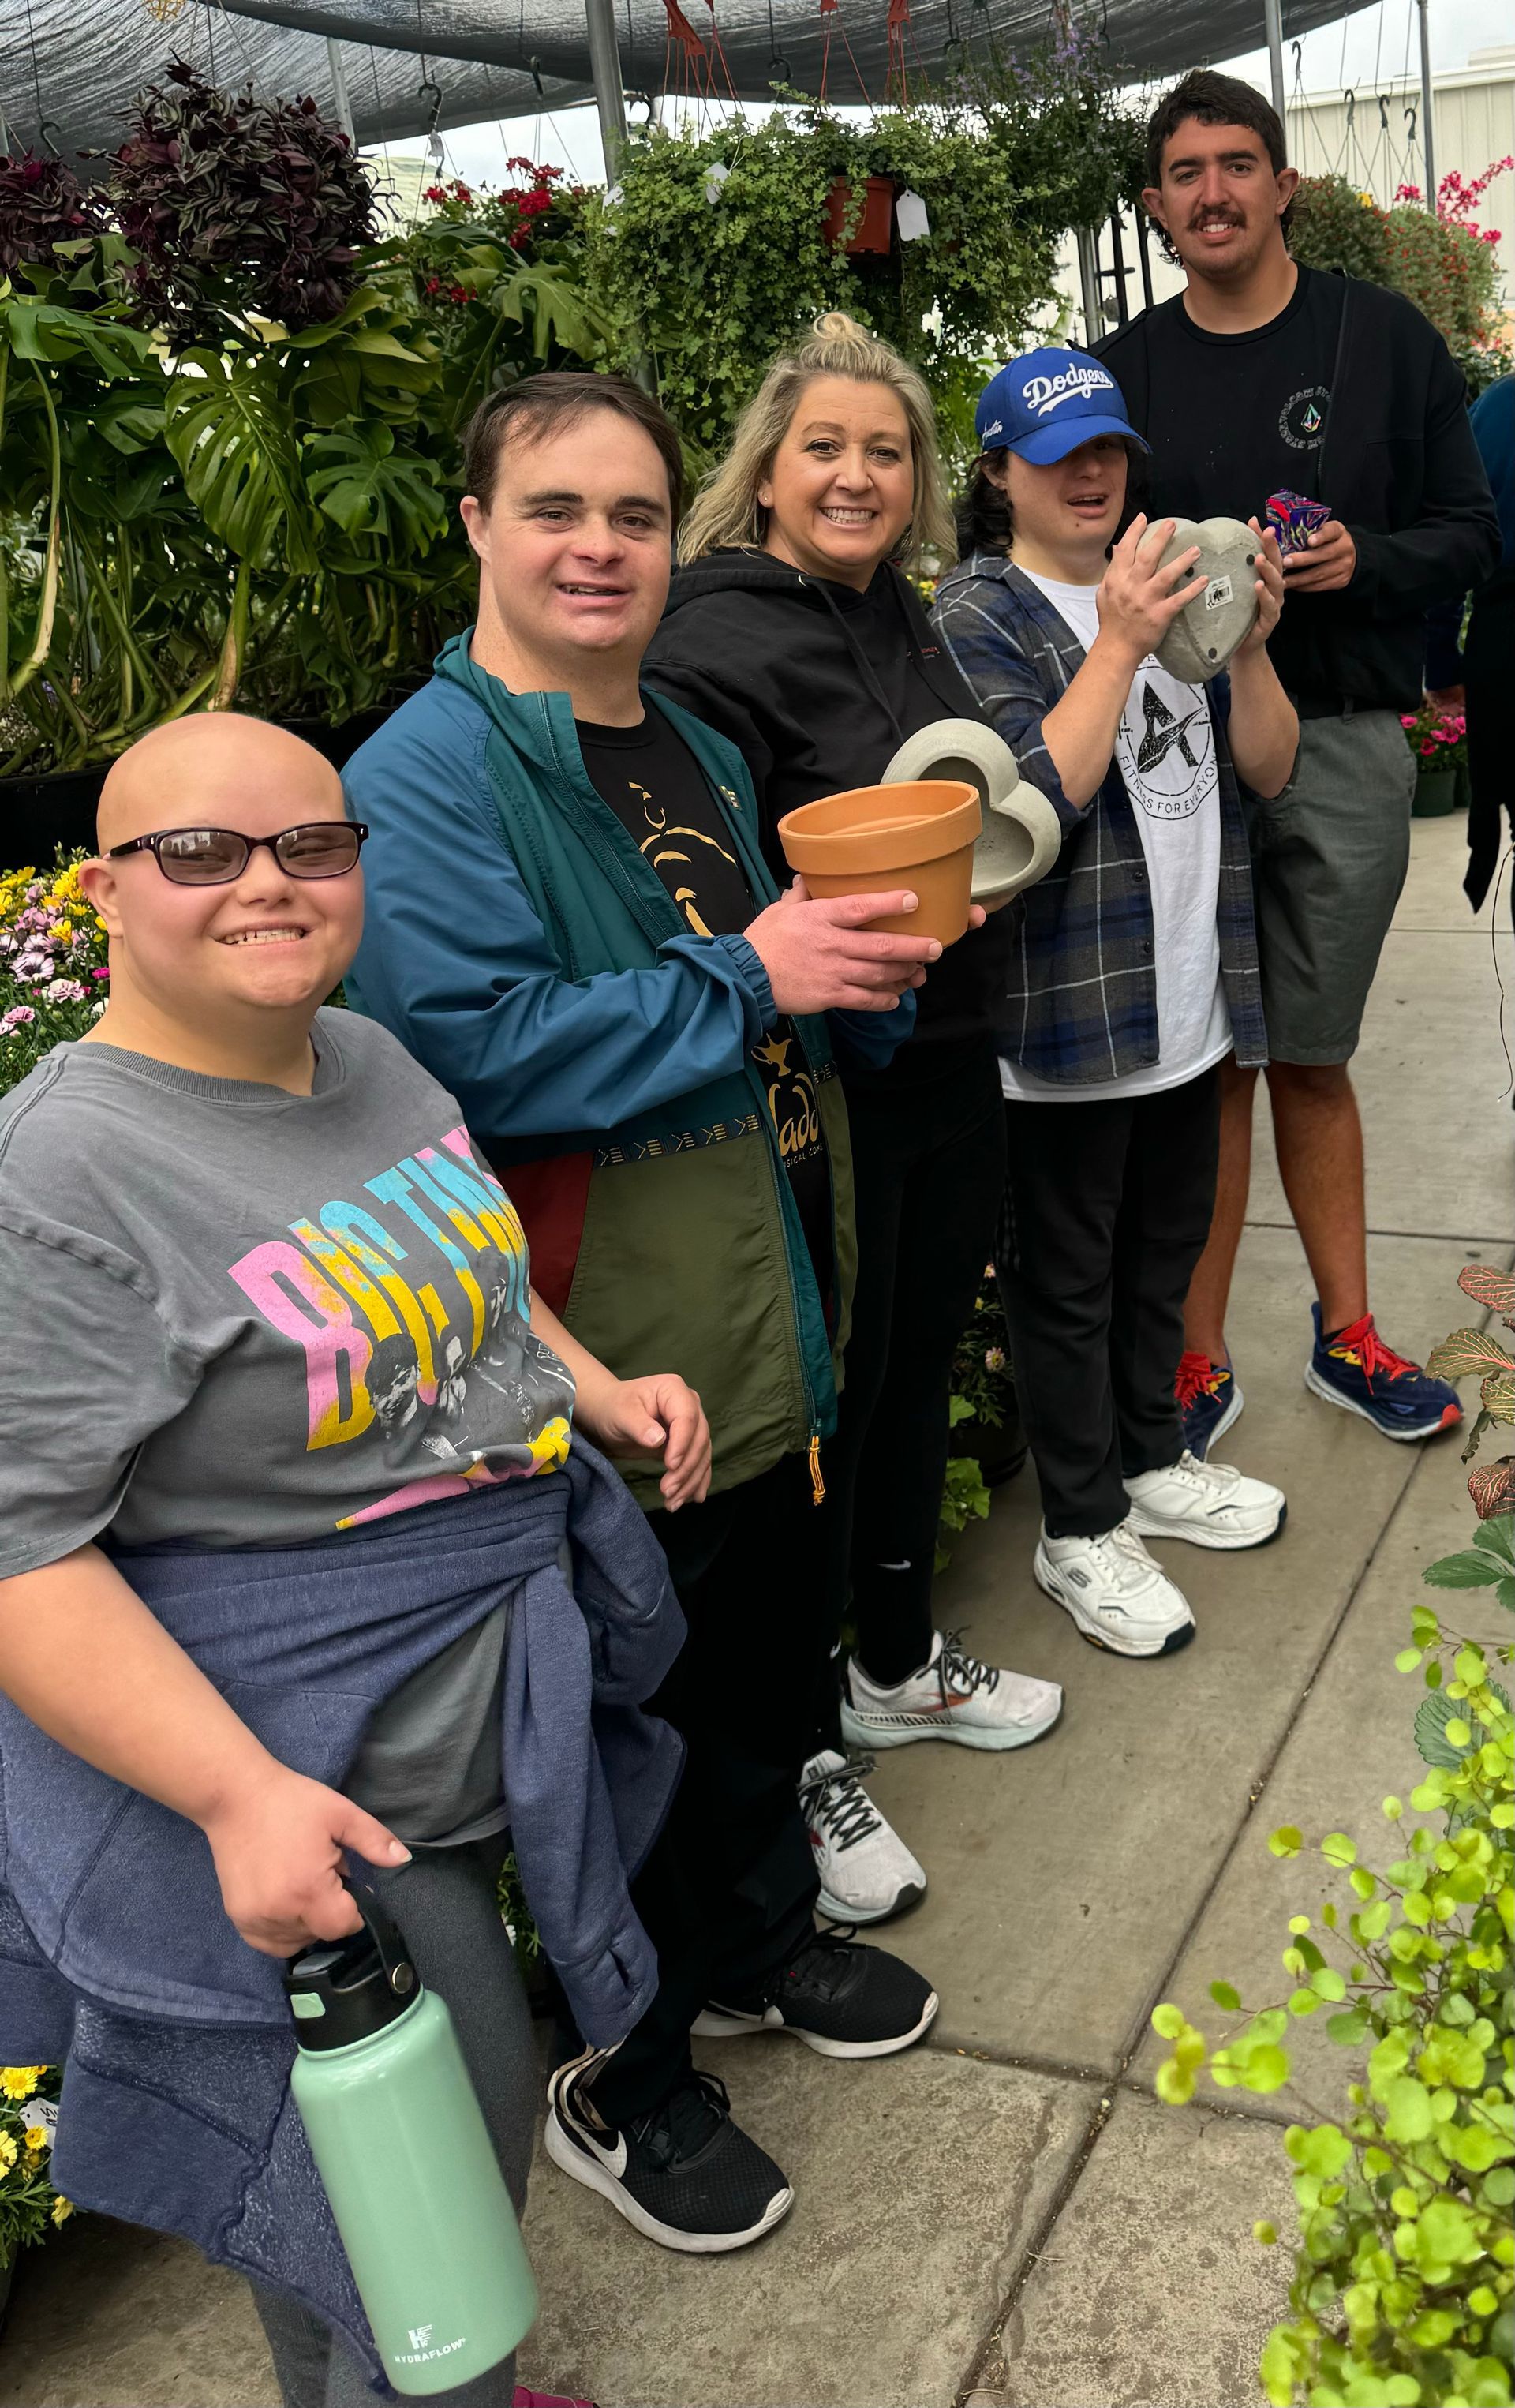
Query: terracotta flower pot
875	839
873	234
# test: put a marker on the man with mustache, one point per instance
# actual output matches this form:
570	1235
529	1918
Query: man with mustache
1264	377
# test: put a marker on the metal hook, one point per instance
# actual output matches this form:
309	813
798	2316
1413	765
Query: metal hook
1350	99
534	68
1299	62
1409	113
46	128
779	68
1383	112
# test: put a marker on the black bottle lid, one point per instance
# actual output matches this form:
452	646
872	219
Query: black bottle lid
345	1990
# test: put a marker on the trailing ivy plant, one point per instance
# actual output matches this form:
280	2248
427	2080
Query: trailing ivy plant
1403	2282
714	251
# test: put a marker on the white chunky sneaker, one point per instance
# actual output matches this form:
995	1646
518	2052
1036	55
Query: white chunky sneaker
1208	1503
868	1874
1119	1597
953	1697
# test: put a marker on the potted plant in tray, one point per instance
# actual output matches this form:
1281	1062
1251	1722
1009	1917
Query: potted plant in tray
1438	739
30	2208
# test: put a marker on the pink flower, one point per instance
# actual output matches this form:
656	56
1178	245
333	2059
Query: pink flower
99	974
1428	748
17	1017
64	991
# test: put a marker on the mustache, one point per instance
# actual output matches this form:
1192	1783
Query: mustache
1225	216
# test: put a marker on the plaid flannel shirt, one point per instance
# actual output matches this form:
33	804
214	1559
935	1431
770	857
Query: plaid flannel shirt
1081	987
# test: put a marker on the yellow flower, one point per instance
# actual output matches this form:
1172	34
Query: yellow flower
61	2209
64	931
20	2081
38	2139
8	2152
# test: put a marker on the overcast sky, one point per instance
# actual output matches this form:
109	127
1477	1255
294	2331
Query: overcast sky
1374	46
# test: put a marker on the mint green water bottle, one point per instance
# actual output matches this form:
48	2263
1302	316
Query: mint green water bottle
401	2144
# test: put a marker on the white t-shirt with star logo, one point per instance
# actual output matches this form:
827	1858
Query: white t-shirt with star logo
1165	749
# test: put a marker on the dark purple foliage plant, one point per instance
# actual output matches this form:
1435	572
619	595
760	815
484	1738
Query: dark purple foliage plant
259	208
42	204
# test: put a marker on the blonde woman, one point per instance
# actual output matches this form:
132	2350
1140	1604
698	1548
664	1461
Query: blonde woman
792	627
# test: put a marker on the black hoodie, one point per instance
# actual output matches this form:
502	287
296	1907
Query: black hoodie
1398	465
818	686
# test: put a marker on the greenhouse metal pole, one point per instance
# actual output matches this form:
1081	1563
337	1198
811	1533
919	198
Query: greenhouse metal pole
1427	134
604	67
1273	20
339	91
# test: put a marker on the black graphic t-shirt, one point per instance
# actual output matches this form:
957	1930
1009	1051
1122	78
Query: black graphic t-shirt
655	787
1234	418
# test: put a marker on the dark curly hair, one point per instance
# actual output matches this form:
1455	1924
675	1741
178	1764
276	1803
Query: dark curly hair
1213	99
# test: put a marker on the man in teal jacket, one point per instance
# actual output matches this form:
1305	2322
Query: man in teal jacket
571	921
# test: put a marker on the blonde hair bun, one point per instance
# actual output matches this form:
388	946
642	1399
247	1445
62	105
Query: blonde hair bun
726	511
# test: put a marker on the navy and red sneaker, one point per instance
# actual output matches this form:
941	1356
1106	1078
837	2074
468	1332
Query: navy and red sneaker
1354	1368
1208	1398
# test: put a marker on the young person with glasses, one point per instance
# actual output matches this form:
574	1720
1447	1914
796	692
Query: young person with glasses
1134	974
572	922
792	627
290	1459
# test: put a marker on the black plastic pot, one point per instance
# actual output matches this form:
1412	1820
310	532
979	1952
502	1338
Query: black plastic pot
1000	1451
38	815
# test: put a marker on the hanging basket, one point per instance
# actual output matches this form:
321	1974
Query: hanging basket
873	235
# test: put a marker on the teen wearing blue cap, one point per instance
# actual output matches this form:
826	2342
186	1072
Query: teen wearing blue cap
1135	973
1044	405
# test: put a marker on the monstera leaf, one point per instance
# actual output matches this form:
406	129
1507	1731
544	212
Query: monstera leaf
357	365
230	431
555	310
358	481
54	336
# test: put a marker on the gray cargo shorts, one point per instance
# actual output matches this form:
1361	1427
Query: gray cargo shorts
1329	857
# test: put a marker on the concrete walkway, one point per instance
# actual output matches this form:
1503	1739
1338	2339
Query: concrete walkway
1008	2207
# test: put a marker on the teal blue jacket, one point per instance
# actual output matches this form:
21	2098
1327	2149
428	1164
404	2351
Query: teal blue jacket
519	946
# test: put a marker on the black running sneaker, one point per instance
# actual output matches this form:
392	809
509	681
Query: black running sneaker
684	2174
841	1998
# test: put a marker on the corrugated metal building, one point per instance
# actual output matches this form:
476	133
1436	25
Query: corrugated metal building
1373	136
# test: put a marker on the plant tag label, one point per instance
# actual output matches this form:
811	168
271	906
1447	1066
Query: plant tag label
912	217
1217	593
41	2110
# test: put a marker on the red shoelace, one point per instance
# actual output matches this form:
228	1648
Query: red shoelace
1360	1338
1196	1376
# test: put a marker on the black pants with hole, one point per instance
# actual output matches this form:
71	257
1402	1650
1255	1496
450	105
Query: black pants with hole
1106	1210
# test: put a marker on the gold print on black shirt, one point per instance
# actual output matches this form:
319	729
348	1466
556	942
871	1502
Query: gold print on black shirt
792	1101
664	846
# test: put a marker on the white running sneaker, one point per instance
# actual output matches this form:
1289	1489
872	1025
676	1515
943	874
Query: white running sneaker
1119	1597
868	1874
953	1697
1208	1503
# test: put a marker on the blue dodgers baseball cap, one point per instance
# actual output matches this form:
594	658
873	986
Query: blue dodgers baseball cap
1045	404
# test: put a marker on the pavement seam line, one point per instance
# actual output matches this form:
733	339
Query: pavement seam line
989	2349
984	2357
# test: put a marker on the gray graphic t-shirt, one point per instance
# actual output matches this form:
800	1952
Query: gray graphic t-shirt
237	1317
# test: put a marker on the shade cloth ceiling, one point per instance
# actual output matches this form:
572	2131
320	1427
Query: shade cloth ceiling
411	66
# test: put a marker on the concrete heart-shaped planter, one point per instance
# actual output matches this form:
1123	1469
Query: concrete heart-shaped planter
1202	639
1023	835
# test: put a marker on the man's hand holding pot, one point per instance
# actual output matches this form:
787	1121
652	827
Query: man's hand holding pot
821	956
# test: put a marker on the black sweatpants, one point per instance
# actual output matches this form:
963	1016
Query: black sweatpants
444	1901
928	1158
1106	1210
728	1891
